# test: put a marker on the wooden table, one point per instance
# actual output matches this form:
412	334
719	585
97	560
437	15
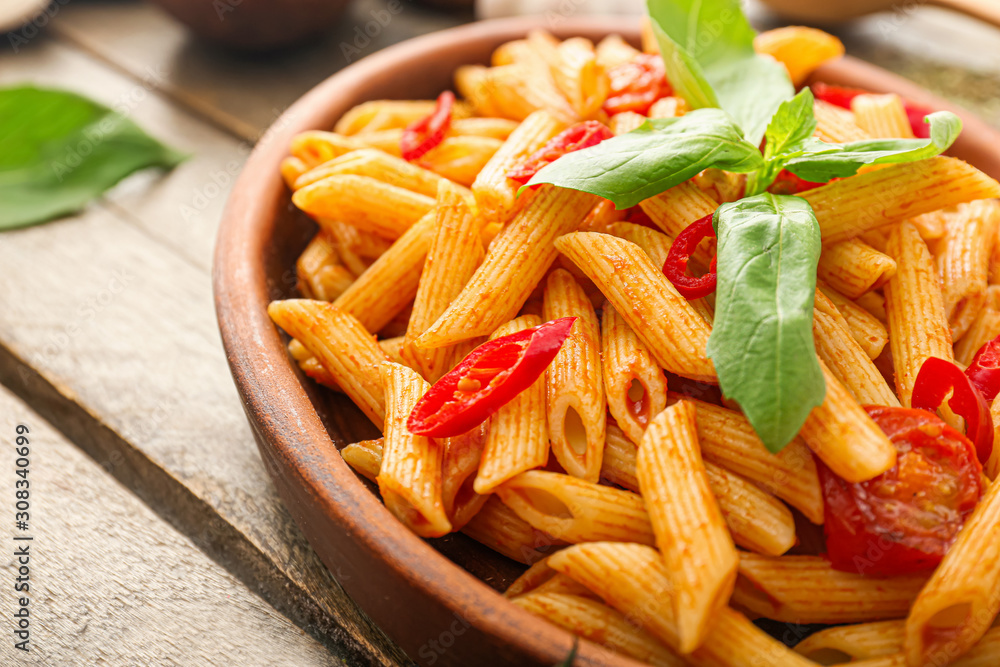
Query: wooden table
158	538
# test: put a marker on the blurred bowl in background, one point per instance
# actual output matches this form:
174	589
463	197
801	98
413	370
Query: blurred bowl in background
15	13
255	25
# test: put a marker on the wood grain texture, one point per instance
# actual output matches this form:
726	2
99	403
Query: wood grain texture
113	584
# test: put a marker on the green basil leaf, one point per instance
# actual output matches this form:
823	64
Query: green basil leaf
762	341
710	61
846	159
59	150
646	161
788	134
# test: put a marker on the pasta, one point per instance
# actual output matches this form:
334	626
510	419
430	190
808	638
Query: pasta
537	357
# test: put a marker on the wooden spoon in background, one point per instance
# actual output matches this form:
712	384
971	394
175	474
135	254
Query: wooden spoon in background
15	13
836	11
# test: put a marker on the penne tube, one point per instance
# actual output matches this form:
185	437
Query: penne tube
757	520
380	166
963	261
496	195
835	125
670	327
601	216
513	266
801	50
579	77
842	434
690	532
854	205
517	438
461	158
454	253
493	128
918	327
377	115
625	121
728	440
349	242
647	37
365	203
674	209
960	601
346	350
502	530
315	147
574	510
512	91
365	457
540	578
390	283
600	624
462	456
409	478
853	267
849	643
721	186
632	579
844	357
311	366
867	329
992	466
292	169
668	107
320	274
984	654
393	349
806	589
882	116
574	394
931	225
613	51
518	51
984	328
635	386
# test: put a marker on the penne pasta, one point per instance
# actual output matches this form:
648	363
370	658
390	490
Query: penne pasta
578	75
391	282
461	158
635	386
852	206
462	456
806	589
378	165
321	275
387	114
848	643
801	50
918	327
963	261
575	510
513	266
502	530
315	147
517	438
346	350
984	328
835	125
853	267
960	601
882	116
676	208
868	330
365	457
690	532
409	478
613	51
365	203
575	403
672	330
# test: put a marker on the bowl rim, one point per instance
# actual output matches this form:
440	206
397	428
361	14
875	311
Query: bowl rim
276	402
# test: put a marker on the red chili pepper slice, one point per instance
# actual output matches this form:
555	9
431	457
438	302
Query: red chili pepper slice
635	85
675	268
426	133
489	377
984	371
841	97
788	183
935	379
582	135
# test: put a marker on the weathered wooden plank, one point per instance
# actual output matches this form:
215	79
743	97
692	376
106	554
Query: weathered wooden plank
243	93
112	584
113	338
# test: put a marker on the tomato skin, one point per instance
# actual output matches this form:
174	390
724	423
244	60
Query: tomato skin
907	518
635	85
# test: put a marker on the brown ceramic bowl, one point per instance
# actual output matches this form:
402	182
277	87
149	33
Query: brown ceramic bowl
256	25
423	594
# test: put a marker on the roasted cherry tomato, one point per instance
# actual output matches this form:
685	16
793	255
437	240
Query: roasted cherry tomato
841	97
675	267
935	379
905	519
489	377
582	135
635	85
984	371
426	133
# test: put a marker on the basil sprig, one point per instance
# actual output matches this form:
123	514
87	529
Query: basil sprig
761	341
707	48
658	155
